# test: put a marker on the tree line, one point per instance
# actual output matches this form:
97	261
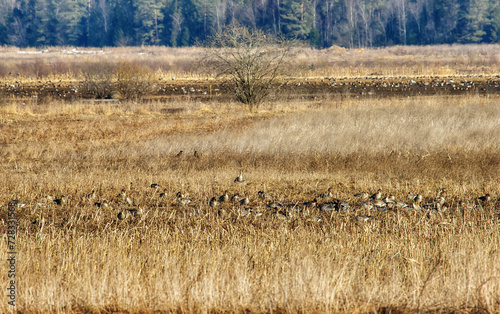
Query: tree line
320	23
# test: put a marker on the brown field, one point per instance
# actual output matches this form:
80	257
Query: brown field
78	256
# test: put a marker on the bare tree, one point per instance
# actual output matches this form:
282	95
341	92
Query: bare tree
250	60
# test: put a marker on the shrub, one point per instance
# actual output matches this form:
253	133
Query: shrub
133	80
97	80
250	60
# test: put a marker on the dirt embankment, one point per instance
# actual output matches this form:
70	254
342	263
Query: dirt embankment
373	86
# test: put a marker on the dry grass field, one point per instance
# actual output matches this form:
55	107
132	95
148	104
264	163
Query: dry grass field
68	63
95	233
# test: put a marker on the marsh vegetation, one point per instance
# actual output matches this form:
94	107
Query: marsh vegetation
78	254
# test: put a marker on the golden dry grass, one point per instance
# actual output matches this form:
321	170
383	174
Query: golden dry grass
55	63
77	257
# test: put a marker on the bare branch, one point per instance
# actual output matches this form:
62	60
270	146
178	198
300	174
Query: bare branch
251	60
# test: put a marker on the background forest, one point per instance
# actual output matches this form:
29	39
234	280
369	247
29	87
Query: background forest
320	23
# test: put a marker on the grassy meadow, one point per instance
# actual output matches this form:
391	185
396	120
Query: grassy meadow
79	256
67	63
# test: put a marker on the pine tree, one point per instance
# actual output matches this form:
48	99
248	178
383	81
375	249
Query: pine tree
296	18
122	23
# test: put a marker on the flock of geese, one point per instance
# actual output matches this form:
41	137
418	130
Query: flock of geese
265	202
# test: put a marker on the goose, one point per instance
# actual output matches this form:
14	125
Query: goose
379	203
274	205
400	205
213	202
182	200
390	199
313	219
326	207
485	198
122	195
235	198
264	195
101	204
123	214
366	205
135	212
326	195
224	197
91	195
439	201
60	201
245	212
239	179
129	201
362	218
244	201
377	195
363	196
312	203
441	192
415	198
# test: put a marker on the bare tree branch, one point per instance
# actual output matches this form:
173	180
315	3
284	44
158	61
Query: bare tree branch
251	60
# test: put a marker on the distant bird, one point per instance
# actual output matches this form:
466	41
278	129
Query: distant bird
101	204
264	195
154	185
183	200
235	198
274	205
224	197
439	201
179	154
123	214
244	201
180	195
163	194
60	201
312	203
239	179
377	195
415	198
441	192
129	201
245	211
213	202
91	195
485	198
390	199
367	205
326	207
363	196
313	219
135	212
379	203
122	195
400	205
362	218
326	195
